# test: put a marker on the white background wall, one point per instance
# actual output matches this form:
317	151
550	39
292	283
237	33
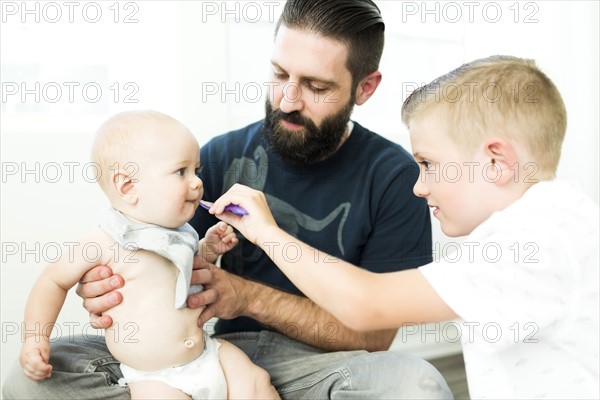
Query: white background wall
64	69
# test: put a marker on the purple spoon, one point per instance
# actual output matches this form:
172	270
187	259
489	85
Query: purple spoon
231	208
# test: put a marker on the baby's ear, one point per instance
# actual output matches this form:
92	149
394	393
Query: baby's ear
503	158
125	187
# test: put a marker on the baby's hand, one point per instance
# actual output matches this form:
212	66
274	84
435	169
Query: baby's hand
35	354
219	239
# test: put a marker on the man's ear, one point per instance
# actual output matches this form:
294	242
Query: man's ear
125	187
503	159
367	87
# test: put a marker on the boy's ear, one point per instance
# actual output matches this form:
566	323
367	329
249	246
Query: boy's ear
367	87
125	187
503	158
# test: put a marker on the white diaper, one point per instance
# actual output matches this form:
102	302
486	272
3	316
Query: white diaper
202	378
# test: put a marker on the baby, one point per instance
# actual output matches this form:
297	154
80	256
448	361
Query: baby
149	164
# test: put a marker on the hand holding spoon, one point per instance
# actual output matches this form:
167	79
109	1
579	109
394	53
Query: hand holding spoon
231	208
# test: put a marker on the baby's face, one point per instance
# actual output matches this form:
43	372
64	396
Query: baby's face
167	184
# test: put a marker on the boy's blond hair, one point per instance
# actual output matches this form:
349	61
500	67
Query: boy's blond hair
500	96
120	136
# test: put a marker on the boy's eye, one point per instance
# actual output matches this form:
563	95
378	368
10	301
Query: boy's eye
198	172
180	172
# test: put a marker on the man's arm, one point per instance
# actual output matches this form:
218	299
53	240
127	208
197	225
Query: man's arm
229	296
301	319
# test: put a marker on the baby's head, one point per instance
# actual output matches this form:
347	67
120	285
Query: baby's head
149	163
483	134
502	96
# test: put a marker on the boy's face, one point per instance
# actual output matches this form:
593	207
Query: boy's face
458	189
310	101
167	186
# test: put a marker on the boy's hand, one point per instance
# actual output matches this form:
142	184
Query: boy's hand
98	290
35	354
258	224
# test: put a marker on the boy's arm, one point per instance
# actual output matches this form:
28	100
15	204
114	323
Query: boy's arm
360	299
45	302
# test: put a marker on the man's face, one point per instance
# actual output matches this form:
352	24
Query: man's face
312	98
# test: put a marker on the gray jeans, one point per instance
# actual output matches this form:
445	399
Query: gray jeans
84	369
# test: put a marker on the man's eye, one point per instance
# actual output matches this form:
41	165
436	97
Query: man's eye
425	164
317	88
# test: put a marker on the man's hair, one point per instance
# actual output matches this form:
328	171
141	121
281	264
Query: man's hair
356	23
501	96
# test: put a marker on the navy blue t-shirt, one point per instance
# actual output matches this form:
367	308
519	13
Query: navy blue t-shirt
357	205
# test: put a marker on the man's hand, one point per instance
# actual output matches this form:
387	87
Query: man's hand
224	296
98	290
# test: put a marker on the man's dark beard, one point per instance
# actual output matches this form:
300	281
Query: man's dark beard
309	145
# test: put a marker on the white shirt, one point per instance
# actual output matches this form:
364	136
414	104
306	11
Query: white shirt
525	283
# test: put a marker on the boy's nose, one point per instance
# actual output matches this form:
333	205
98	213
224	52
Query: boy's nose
420	189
